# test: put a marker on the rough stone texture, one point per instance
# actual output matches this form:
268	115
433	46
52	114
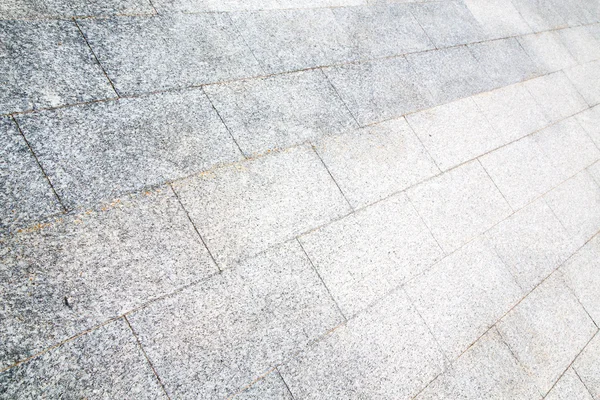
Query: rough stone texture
191	6
13	9
462	296
70	274
373	162
105	363
378	90
366	255
586	79
271	387
498	18
546	331
127	145
581	43
569	387
590	121
540	15
142	54
547	51
25	193
212	339
587	366
280	111
47	64
390	341
556	95
242	209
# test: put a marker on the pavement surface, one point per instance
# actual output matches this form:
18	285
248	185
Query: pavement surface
317	199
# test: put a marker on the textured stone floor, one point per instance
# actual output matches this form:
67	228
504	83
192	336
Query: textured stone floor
285	199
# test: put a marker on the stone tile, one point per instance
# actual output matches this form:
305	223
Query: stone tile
448	23
70	274
216	337
512	112
127	145
450	74
462	296
540	15
241	210
590	121
454	133
586	78
378	90
498	18
505	61
271	387
105	363
280	111
391	342
569	387
546	331
547	51
25	193
577	12
47	64
485	371
576	203
532	243
194	6
594	171
556	95
366	255
142	54
581	43
459	205
373	162
74	8
587	366
320	3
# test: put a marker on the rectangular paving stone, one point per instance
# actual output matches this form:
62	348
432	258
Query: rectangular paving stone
462	296
241	210
587	366
102	150
70	274
586	78
450	74
390	341
74	8
25	194
498	18
556	95
540	15
47	64
280	111
568	387
590	121
454	133
546	331
378	90
487	370
577	12
104	363
373	162
366	255
594	171
547	51
271	387
459	205
146	54
195	6
448	23
320	3
532	243
581	43
213	339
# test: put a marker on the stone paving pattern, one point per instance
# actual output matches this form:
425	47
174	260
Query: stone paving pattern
283	199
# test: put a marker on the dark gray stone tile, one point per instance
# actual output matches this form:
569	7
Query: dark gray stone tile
541	15
213	339
280	111
143	54
25	193
102	150
11	9
47	64
378	90
69	274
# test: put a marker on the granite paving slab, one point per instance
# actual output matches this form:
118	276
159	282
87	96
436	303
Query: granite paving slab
556	95
577	12
586	78
498	18
587	366
74	8
547	50
581	43
540	15
569	387
271	387
590	121
191	6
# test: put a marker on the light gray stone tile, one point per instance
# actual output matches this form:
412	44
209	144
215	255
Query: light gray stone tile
242	209
366	255
194	6
586	78
320	3
577	12
498	18
454	133
547	51
540	15
14	9
105	363
590	121
373	162
546	331
505	61
569	387
556	95
25	193
448	23
594	171
385	353
47	64
462	296
378	90
271	387
127	145
486	371
581	43
280	111
587	366
532	243
214	338
450	74
69	274
512	112
145	54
